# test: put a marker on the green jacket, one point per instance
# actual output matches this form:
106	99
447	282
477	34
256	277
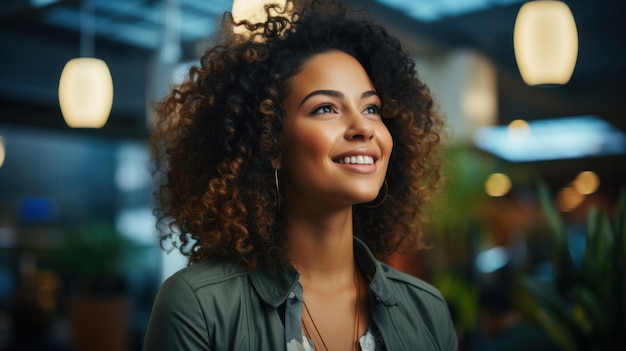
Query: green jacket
220	306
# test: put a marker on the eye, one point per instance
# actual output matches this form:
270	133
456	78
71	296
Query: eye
322	109
372	110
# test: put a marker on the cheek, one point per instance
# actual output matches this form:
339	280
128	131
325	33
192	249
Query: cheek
386	141
305	143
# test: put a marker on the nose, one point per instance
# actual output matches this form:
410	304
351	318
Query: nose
359	127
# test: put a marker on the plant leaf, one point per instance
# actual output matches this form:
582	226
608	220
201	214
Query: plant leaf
543	305
591	304
563	264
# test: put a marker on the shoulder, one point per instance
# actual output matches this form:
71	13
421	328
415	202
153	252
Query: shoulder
200	284
184	310
391	284
201	288
207	274
422	306
412	283
418	298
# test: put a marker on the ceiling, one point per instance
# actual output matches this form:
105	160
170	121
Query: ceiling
137	37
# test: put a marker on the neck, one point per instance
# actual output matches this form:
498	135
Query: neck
321	247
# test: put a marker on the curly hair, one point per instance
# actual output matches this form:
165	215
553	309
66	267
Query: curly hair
219	135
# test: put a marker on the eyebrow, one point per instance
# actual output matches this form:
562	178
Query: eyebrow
335	93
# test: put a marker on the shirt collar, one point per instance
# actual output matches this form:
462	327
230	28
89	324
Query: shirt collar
273	286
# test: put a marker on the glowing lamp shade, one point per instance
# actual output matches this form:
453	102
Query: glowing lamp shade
545	40
2	151
86	93
251	10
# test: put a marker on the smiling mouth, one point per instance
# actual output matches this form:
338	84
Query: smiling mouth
355	160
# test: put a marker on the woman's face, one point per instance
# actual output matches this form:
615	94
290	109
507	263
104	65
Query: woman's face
336	147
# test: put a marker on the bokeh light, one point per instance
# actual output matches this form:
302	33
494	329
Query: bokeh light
587	182
519	130
497	185
568	199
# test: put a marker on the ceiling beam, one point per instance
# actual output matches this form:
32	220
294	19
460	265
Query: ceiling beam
22	11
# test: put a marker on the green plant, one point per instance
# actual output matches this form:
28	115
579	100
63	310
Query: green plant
457	225
585	308
461	295
94	256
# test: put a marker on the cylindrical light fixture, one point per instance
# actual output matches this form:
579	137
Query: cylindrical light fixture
86	86
2	151
545	40
86	92
251	10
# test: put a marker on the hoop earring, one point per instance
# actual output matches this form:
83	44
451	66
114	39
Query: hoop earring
380	199
277	187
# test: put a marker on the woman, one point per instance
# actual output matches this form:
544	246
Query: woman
280	185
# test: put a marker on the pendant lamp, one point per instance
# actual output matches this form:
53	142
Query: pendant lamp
545	40
2	151
251	10
86	86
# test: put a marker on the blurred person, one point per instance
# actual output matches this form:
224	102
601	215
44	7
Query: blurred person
278	182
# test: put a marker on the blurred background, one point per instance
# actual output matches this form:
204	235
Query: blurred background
525	242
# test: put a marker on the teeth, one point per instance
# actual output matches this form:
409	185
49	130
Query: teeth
359	160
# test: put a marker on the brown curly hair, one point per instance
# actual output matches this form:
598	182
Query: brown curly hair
219	134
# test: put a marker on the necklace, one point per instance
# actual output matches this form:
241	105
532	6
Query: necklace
357	315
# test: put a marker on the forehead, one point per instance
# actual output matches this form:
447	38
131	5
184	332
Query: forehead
331	70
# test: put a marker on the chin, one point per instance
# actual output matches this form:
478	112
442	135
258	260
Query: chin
366	199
